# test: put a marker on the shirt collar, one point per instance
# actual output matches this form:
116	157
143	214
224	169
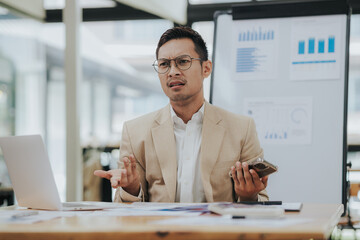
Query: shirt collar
196	117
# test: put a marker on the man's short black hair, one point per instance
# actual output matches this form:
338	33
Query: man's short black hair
184	32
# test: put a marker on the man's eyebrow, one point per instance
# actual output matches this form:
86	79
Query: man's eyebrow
182	55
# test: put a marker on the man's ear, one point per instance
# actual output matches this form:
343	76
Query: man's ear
206	68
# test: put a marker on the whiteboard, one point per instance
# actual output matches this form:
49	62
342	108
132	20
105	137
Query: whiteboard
289	75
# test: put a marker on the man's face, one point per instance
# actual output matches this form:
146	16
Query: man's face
183	85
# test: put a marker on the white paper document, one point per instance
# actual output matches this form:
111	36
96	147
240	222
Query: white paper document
315	48
156	209
26	216
30	216
142	212
256	50
162	206
247	210
286	120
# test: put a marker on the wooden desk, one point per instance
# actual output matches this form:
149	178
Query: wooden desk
325	217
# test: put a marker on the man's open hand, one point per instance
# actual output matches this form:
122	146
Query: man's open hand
126	177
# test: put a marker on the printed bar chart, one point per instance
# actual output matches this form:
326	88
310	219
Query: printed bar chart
315	50
254	35
320	46
255	48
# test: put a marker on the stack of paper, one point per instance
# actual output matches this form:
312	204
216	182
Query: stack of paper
246	211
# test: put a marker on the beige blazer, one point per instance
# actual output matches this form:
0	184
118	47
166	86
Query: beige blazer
226	138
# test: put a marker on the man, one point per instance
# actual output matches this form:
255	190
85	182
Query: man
187	151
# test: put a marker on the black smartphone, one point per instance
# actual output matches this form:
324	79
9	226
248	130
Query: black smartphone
262	167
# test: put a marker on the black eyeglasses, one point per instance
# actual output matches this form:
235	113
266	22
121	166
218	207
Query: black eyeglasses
182	62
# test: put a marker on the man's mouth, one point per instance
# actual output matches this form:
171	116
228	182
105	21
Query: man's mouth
175	84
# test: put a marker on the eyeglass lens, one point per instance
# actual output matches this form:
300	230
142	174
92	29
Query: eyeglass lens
182	62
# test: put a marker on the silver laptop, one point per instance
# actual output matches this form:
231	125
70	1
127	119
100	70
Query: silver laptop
32	177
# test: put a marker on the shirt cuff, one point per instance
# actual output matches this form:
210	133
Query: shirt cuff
127	197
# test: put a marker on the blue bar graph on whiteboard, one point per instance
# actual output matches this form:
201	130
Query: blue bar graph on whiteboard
301	47
321	46
311	45
331	47
256	35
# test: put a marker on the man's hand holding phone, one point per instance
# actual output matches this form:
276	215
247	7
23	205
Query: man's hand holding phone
247	183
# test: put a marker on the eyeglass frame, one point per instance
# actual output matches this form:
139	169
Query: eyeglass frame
174	59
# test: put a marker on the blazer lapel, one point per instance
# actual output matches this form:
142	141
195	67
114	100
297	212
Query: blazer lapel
212	137
165	147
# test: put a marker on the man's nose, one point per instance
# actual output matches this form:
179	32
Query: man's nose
174	70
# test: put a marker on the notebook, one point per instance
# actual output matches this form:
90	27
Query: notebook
32	177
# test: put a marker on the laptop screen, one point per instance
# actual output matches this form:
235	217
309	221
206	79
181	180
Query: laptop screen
30	172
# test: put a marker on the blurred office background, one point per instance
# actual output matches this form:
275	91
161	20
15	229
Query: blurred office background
118	82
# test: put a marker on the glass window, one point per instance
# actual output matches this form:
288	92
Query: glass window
126	83
6	96
23	58
7	110
118	83
354	82
22	79
56	134
354	101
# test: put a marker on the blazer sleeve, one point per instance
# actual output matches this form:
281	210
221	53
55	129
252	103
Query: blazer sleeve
250	150
126	149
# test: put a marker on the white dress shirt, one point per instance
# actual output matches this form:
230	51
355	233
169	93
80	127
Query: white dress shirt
188	141
189	186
